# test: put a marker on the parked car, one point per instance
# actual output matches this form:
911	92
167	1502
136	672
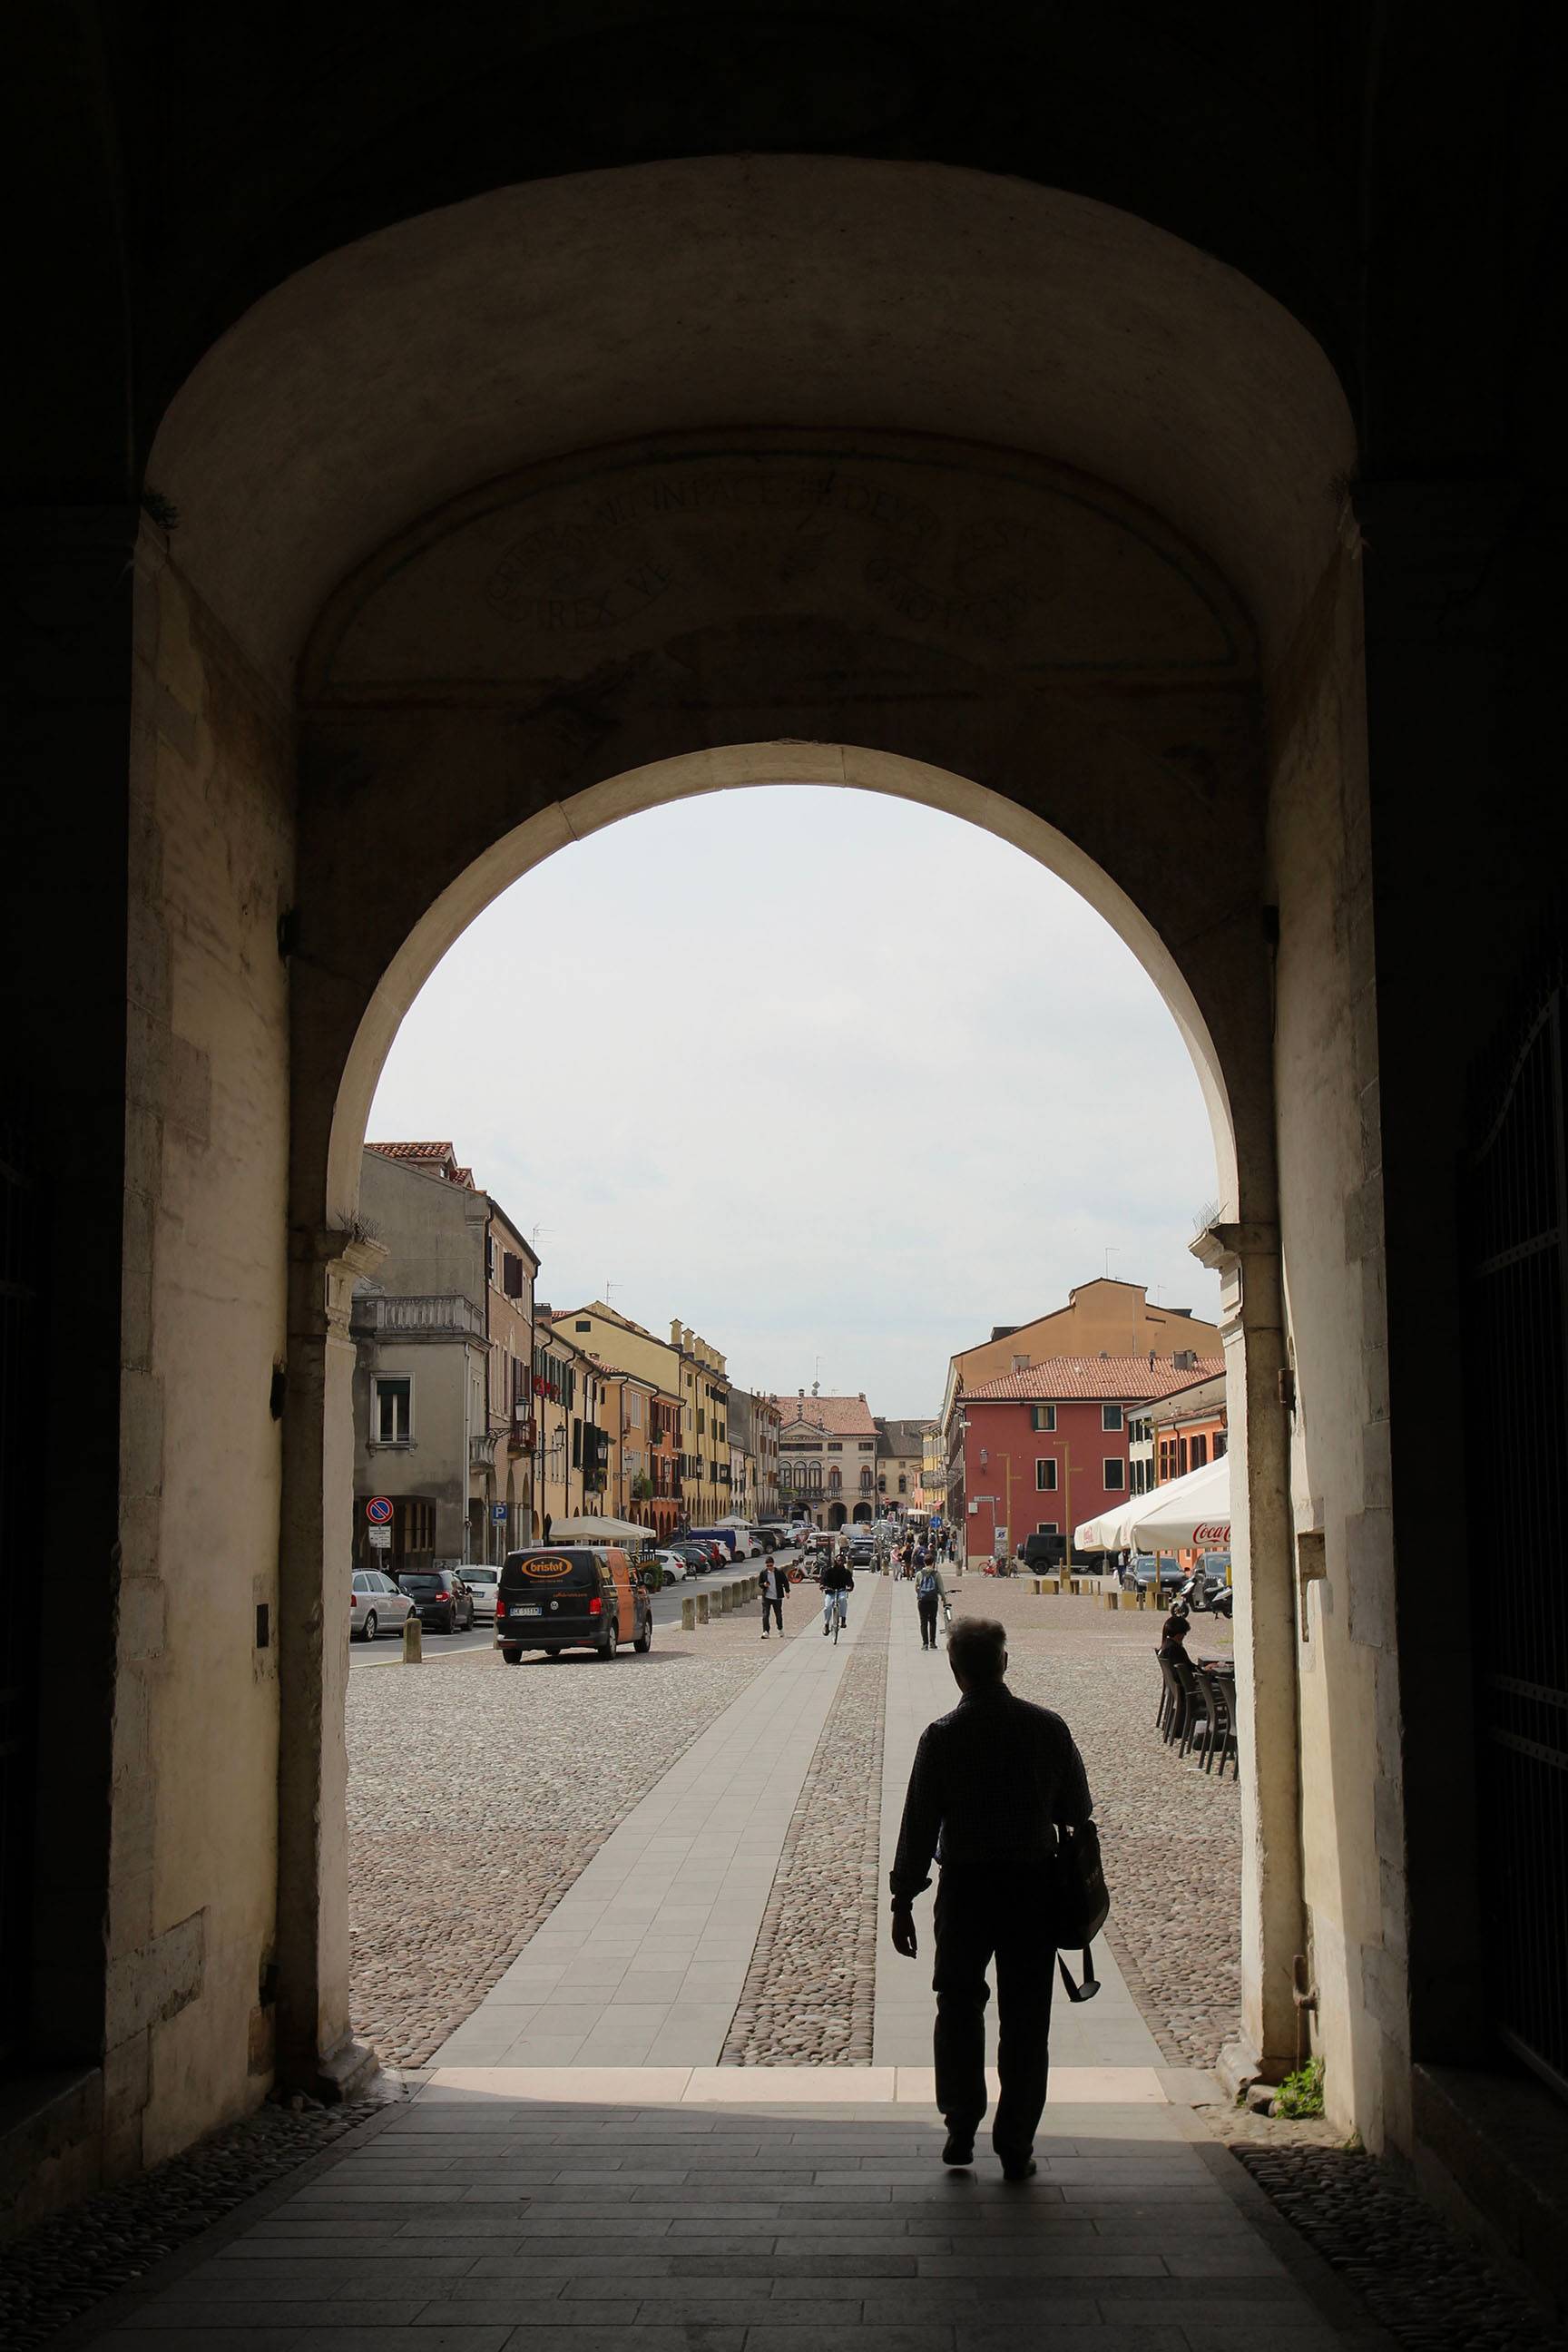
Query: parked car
862	1550
441	1597
377	1607
570	1596
481	1583
675	1564
1144	1573
698	1557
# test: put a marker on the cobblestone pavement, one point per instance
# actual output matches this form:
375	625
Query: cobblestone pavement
478	1791
810	1991
64	2265
1171	1832
1425	2284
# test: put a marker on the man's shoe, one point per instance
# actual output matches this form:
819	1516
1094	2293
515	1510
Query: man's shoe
1018	2168
960	2148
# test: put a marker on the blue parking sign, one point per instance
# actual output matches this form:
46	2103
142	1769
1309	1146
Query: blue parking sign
498	1512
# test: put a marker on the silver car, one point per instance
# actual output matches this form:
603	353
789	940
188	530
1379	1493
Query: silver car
482	1583
378	1606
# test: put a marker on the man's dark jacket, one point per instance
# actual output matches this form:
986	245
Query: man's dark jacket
989	1782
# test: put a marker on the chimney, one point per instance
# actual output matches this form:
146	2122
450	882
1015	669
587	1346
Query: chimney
801	1391
862	1396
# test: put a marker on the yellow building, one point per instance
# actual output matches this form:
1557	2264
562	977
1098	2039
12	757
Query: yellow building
684	1366
575	1434
933	1470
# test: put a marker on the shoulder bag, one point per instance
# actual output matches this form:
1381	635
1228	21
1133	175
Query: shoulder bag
1077	1904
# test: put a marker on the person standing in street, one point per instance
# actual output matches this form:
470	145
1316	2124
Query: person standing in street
991	1899
775	1584
929	1594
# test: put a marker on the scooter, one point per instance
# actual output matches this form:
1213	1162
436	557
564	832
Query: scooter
1198	1598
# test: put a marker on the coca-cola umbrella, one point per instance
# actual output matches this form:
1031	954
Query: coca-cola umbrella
1192	1514
1123	1528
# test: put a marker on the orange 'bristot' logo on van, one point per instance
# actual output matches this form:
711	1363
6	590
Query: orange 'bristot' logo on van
545	1567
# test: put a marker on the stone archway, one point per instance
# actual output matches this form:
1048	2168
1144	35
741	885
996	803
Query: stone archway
836	1516
1058	543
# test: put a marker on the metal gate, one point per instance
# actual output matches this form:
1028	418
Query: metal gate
1516	1361
20	1384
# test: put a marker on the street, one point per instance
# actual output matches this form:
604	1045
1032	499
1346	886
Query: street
386	1652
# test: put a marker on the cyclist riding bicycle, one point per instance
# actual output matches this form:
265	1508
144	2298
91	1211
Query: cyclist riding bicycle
838	1584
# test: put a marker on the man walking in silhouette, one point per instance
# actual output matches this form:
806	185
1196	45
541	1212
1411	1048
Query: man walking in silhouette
991	1783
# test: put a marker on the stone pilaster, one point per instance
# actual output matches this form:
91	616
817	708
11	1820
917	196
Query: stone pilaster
1247	1259
316	2051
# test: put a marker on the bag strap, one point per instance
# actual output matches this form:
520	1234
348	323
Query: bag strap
1089	1986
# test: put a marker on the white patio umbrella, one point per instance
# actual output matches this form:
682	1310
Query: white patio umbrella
1123	1529
1191	1514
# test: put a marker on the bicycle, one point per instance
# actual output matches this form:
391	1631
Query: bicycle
838	1613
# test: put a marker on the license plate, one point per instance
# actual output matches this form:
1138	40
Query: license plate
525	1608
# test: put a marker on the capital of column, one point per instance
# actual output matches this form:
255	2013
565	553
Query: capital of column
1246	1257
325	1262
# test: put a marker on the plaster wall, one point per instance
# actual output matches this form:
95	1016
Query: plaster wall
1331	1234
433	1232
195	1743
1101	1317
434	1465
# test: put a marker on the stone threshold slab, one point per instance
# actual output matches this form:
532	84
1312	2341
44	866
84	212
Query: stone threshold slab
677	2087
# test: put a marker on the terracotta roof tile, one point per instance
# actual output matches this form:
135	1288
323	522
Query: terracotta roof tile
843	1416
1062	1378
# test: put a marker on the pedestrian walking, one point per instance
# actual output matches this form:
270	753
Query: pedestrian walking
775	1584
929	1594
997	1895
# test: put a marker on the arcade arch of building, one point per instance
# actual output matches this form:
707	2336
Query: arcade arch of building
490	533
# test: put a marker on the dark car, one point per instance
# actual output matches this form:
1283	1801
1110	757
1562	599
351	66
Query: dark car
698	1557
1144	1573
555	1597
443	1601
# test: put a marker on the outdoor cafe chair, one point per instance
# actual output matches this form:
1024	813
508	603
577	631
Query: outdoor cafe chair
1194	1708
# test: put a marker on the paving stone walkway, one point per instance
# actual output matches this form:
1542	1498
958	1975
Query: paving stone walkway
577	2173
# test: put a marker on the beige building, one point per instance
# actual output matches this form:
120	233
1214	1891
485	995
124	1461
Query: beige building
754	1453
444	1342
901	1454
827	1457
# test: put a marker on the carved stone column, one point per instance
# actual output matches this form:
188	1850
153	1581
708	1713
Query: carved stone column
316	2051
1247	1259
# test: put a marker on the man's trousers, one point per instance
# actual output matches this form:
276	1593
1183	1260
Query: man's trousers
979	1917
777	1608
928	1603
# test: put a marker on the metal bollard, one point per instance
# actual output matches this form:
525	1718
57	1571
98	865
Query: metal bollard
689	1612
412	1640
702	1601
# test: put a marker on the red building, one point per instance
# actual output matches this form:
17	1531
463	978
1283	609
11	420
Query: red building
1045	1449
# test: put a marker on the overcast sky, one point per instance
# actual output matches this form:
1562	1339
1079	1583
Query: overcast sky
914	1050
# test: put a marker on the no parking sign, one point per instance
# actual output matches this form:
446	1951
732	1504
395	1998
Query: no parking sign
378	1511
